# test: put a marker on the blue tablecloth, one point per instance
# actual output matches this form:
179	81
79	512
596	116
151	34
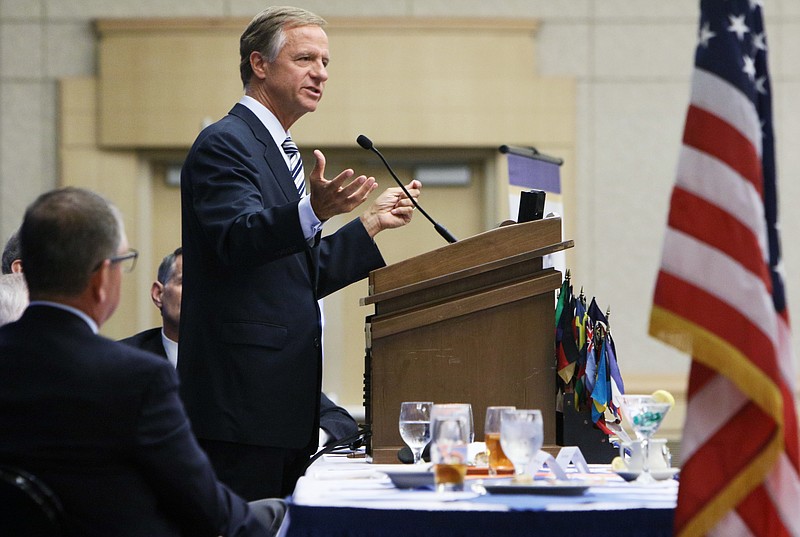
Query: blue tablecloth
306	521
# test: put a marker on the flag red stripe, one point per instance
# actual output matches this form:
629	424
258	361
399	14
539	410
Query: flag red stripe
759	514
719	229
701	375
714	463
708	133
712	314
791	439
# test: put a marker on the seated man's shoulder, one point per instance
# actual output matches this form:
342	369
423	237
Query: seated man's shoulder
142	338
128	359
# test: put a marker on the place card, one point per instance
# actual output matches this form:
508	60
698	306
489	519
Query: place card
544	460
572	455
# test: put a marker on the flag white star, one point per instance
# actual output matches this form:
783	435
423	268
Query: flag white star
749	67
738	26
760	41
780	268
755	4
761	85
705	35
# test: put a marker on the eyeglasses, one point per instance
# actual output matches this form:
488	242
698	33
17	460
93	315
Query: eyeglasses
127	260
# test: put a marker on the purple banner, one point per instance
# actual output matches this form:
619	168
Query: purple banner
533	173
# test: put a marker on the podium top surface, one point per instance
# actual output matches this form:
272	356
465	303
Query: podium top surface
481	249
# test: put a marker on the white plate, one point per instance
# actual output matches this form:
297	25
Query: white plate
557	489
411	480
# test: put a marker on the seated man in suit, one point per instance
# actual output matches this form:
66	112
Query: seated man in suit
166	295
11	258
166	292
98	422
13	297
335	423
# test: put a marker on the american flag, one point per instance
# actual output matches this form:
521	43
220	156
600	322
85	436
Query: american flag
720	296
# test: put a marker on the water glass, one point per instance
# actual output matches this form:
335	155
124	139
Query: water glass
415	426
521	436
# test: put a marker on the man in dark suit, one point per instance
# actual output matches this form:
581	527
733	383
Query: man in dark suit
11	258
99	422
335	423
166	292
150	340
255	264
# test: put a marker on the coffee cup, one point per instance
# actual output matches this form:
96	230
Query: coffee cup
631	453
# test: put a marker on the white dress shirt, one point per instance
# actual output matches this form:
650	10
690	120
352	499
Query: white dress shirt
171	348
309	222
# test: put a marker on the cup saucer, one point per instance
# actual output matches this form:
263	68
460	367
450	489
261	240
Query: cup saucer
665	473
658	475
627	475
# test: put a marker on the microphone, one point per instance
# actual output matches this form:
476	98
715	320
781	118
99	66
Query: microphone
367	144
407	457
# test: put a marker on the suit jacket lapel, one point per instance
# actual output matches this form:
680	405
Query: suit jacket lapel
273	154
274	157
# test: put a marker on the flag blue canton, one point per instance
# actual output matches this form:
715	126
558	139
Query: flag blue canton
732	44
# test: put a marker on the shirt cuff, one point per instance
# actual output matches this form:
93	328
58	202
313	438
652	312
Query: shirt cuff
324	437
309	222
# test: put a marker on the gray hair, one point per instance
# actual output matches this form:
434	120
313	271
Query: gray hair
13	297
65	236
265	34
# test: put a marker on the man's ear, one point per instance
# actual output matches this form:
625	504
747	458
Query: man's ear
16	266
156	292
258	63
98	283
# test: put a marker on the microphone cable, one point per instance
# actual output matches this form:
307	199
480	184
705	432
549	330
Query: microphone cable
348	444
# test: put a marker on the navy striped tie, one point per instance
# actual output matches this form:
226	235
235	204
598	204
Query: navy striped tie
295	165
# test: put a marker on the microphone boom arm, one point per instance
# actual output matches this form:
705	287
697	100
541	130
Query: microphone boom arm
366	143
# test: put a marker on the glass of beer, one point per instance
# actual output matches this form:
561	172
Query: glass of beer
450	430
498	462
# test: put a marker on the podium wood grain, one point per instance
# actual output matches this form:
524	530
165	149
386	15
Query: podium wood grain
470	322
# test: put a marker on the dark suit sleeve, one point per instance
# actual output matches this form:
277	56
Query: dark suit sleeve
335	420
179	470
345	257
240	208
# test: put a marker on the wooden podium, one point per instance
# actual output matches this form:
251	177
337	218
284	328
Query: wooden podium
471	322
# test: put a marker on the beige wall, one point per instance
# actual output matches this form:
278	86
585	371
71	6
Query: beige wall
631	62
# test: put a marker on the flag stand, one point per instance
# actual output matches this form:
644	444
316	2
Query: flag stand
575	428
